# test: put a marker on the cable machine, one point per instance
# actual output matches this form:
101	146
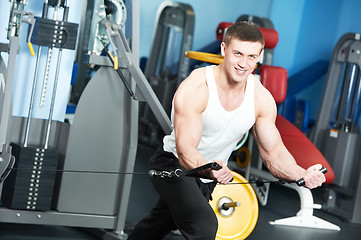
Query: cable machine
89	192
337	131
93	12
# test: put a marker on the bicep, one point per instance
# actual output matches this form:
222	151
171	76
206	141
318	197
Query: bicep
266	133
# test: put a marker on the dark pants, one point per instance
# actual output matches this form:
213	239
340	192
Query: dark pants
183	205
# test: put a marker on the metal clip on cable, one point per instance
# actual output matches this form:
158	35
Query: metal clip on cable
163	174
179	172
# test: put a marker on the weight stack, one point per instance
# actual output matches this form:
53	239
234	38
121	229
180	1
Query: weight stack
30	184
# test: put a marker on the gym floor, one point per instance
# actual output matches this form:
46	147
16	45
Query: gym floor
282	202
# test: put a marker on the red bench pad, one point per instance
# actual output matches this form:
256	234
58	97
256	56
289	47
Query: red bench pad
275	80
301	148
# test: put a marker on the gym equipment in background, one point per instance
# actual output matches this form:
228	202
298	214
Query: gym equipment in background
106	141
91	35
337	129
167	66
31	188
205	57
7	72
102	140
295	109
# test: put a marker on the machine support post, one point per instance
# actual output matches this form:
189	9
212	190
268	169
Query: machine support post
28	120
53	99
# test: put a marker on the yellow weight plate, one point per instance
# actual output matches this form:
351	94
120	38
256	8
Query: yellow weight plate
241	222
247	157
205	57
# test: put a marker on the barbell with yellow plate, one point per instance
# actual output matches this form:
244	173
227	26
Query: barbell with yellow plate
242	156
205	57
236	208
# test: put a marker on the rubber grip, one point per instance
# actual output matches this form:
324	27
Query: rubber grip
301	182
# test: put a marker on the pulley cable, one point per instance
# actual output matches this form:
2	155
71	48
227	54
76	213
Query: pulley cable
151	173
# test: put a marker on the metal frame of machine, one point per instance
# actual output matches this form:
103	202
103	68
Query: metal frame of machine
336	132
167	64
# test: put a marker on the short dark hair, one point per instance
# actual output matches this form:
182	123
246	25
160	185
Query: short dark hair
244	31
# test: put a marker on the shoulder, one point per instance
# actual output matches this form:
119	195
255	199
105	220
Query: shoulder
197	78
265	105
193	91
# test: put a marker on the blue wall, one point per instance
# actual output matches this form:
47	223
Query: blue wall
317	33
287	18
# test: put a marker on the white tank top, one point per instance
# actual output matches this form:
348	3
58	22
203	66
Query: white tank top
221	129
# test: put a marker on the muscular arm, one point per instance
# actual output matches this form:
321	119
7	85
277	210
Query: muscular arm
273	152
190	101
188	125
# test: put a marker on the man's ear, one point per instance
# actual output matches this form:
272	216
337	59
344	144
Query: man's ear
223	48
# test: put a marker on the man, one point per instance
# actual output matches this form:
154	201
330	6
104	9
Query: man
212	109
